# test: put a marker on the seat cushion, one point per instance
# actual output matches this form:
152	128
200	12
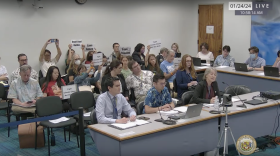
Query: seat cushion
47	123
3	105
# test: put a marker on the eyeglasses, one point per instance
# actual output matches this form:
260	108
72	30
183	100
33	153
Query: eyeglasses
189	61
163	84
23	60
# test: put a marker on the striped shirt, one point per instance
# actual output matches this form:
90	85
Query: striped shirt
257	63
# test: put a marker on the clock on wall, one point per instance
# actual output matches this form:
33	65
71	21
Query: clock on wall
81	1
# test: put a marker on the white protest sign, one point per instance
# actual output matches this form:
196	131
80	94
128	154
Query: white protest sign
97	59
126	51
76	43
177	62
155	43
68	90
88	67
89	47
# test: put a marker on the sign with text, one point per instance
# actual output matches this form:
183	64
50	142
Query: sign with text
89	47
155	43
76	43
68	90
177	62
97	59
209	29
250	8
126	51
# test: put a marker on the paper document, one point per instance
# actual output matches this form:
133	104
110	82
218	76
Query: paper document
222	67
87	114
130	124
261	74
62	119
206	64
181	109
208	105
203	67
169	112
33	105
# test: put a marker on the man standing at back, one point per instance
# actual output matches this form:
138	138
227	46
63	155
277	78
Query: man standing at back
45	56
24	91
162	55
168	67
22	59
112	103
116	54
140	80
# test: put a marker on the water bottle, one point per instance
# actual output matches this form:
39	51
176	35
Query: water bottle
217	104
52	140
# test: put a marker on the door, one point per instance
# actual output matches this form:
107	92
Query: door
211	15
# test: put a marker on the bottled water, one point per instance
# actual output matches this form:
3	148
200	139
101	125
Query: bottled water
217	104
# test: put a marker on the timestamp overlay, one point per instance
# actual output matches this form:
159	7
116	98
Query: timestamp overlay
250	8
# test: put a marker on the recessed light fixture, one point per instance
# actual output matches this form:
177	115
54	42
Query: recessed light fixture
81	1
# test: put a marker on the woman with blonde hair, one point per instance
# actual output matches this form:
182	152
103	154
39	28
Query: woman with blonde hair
185	76
207	90
175	48
73	67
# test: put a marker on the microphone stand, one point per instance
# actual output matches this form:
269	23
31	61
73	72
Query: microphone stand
161	119
243	105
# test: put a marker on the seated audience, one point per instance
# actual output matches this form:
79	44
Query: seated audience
255	62
89	57
98	88
158	97
205	54
114	70
4	76
72	70
69	55
168	68
140	81
22	59
138	54
116	54
152	65
24	91
125	70
45	57
185	76
175	48
207	90
111	104
162	55
225	59
276	63
82	78
52	85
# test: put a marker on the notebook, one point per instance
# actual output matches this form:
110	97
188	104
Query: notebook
129	124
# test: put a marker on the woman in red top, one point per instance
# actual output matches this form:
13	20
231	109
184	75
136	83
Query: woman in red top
52	85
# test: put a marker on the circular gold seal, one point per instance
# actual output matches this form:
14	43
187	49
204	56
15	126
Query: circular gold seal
246	144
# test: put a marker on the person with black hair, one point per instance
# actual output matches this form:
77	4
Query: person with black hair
111	104
277	61
138	54
116	54
205	54
114	70
225	59
158	97
89	57
22	59
45	57
254	61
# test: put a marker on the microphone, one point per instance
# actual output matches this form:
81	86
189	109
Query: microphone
161	119
243	105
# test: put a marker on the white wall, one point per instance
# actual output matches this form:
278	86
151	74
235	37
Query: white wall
25	30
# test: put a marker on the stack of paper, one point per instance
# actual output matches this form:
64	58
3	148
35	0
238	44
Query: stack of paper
130	124
62	119
181	109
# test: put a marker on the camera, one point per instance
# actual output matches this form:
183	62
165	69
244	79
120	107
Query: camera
227	100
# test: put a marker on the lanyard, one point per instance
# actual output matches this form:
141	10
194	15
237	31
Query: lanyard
140	79
115	107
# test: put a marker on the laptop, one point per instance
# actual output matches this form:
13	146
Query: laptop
241	67
192	111
197	61
271	71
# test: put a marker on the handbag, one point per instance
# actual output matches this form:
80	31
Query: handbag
26	135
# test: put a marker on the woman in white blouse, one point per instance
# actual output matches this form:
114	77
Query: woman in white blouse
3	73
205	54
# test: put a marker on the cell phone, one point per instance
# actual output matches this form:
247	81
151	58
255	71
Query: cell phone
29	101
143	118
53	40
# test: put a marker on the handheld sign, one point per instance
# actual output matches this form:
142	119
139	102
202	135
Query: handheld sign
125	51
155	43
68	90
177	62
76	43
89	47
97	59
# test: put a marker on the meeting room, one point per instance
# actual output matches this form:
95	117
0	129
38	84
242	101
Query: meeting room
134	78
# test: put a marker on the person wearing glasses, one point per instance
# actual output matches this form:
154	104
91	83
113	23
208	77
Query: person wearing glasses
22	59
140	80
158	97
45	56
4	76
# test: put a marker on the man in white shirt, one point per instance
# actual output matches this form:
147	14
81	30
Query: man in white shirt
45	56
